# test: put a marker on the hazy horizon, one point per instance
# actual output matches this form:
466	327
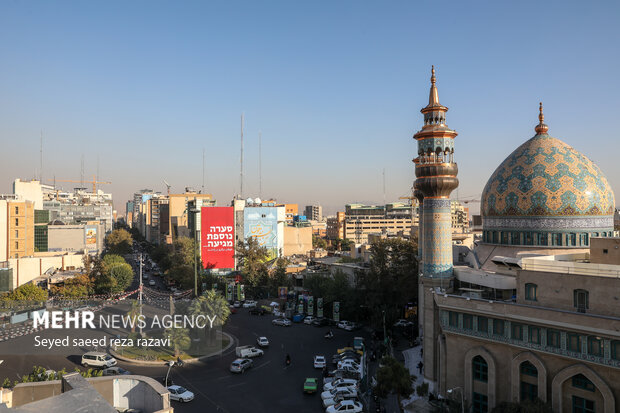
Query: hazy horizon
335	89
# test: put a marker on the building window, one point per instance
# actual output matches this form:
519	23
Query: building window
453	319
16	222
16	210
605	251
483	325
581	405
553	339
468	322
530	291
480	403
529	369
16	245
16	233
480	369
581	300
517	331
534	335
595	346
529	391
615	350
573	342
515	238
581	382
498	327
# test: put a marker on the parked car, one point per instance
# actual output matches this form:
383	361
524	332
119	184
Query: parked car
114	371
240	365
237	304
180	394
319	362
336	400
339	383
249	304
349	406
248	352
320	322
309	319
152	283
311	385
403	323
342	364
346	325
257	311
262	341
98	359
350	391
281	322
298	318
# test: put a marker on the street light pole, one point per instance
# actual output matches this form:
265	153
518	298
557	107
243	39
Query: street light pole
140	296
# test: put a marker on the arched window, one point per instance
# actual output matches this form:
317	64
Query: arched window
582	382
480	369
529	369
581	300
529	381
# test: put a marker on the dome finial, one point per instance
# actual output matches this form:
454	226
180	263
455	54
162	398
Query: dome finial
433	99
541	128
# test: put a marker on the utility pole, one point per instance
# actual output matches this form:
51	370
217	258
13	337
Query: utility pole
241	173
41	160
384	186
195	260
260	167
203	170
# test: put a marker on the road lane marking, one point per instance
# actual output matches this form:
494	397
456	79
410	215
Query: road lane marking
262	365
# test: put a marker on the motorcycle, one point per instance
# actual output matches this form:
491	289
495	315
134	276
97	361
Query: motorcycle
329	334
288	360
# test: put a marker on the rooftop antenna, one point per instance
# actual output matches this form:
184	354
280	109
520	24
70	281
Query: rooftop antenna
41	160
383	186
167	186
241	172
260	167
203	170
82	172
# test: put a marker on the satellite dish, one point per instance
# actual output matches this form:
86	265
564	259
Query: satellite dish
257	201
249	201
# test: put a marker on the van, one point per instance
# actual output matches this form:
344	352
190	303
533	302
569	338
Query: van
98	359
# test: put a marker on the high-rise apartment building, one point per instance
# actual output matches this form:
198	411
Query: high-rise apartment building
314	212
16	229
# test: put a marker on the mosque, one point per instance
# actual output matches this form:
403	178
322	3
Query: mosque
533	310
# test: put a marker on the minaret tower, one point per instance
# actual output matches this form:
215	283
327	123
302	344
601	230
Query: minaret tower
435	172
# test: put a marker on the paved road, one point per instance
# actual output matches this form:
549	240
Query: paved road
267	387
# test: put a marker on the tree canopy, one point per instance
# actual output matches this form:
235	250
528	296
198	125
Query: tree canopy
393	377
119	241
27	292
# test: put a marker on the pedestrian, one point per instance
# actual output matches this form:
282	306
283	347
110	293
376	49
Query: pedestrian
421	351
420	365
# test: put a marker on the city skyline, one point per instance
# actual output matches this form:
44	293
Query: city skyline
335	89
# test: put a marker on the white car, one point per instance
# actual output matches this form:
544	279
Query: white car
346	325
249	304
336	400
281	322
237	304
319	362
180	394
340	383
338	392
349	406
342	365
262	341
309	319
403	323
152	283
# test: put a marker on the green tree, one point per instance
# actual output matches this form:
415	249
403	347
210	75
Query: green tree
252	260
80	286
119	241
215	307
179	338
318	242
393	377
27	292
111	274
345	244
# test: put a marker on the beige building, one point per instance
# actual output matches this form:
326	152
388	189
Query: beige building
297	240
76	238
16	229
362	220
335	226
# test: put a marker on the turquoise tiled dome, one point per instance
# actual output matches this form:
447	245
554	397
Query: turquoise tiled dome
546	186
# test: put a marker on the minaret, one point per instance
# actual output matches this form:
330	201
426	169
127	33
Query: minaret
435	172
436	178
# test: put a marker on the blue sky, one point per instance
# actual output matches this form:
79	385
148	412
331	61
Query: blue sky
335	88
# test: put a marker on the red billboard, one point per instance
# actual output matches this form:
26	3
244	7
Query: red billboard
217	233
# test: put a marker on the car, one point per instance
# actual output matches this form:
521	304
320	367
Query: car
311	385
262	341
180	394
349	349
114	371
403	323
319	362
320	322
257	311
336	400
237	304
349	391
341	382
298	318
346	325
249	304
240	365
351	371
309	319
281	322
345	406
351	363
152	283
98	359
